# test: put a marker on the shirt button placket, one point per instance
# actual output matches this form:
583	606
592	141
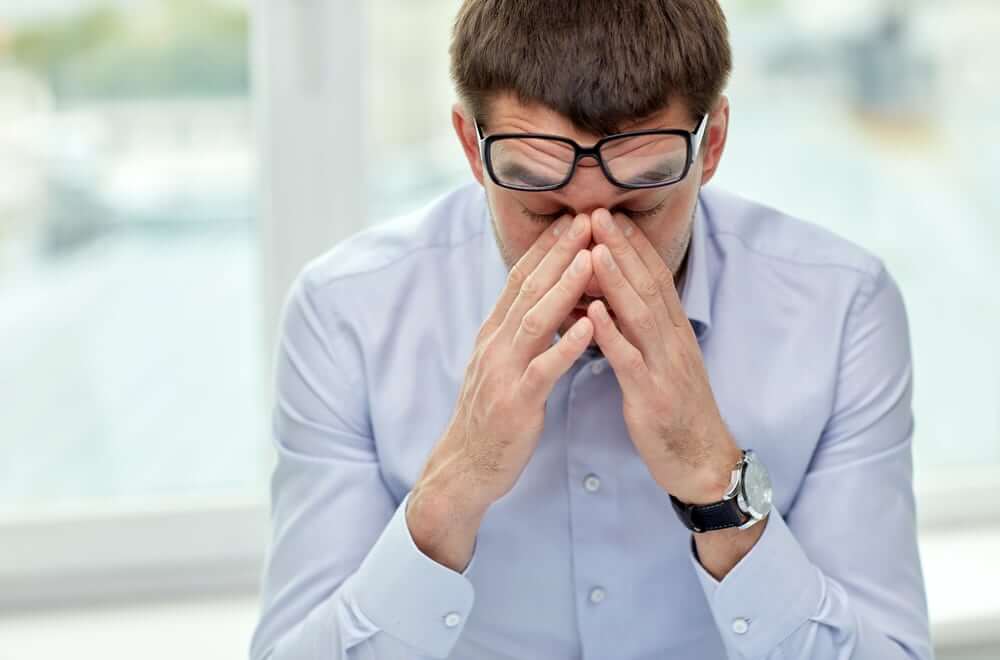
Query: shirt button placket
593	506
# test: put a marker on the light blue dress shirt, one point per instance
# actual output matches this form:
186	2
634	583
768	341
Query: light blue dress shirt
805	339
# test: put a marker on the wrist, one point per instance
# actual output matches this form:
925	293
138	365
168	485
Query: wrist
712	482
443	523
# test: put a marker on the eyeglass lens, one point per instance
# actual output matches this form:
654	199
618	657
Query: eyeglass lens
631	160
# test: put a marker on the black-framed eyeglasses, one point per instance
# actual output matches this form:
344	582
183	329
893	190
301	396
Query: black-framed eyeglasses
537	162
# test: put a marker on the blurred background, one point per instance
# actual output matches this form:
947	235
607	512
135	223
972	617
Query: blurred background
167	166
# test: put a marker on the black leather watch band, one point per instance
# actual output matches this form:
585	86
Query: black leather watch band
708	517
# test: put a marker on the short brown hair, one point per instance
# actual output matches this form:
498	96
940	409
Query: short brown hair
601	63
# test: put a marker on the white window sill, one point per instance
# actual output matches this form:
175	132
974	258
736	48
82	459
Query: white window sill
962	573
960	567
217	628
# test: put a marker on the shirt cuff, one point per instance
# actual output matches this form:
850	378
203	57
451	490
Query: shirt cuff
407	594
769	594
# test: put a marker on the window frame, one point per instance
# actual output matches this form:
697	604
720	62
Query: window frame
305	84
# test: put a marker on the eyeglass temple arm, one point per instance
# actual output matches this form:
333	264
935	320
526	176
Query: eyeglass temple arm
482	139
698	135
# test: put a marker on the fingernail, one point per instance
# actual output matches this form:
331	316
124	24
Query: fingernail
608	260
578	262
578	330
558	229
577	229
602	312
625	227
606	221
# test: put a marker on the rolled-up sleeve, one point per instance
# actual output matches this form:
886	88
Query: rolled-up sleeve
838	574
344	579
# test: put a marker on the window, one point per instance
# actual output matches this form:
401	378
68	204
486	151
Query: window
129	295
134	402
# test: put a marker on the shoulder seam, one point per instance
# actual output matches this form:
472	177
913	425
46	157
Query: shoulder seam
878	282
795	262
409	253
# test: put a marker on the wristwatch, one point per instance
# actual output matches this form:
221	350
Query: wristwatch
747	500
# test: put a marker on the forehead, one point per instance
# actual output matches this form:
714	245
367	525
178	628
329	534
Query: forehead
508	114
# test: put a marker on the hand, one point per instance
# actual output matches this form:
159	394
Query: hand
500	412
669	409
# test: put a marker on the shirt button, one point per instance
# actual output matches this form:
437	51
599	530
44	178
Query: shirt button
592	483
597	595
740	626
596	367
452	619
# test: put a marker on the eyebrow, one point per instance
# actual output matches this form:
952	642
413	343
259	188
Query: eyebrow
653	175
635	147
517	171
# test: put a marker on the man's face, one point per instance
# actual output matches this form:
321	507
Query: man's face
665	214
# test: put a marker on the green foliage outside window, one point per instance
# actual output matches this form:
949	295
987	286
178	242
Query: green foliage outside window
169	48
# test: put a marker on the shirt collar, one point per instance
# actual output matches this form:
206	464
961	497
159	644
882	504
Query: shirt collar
696	293
695	290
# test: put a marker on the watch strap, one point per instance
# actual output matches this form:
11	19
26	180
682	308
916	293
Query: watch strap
708	517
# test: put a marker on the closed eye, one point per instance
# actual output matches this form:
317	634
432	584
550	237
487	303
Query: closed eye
632	214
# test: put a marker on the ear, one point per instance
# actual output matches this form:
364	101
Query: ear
465	129
718	130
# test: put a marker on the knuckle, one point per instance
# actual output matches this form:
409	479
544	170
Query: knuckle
564	290
531	325
516	276
529	287
564	249
643	320
488	352
633	360
619	250
566	348
664	278
649	289
481	336
532	378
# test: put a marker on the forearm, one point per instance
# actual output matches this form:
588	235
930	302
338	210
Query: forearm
444	517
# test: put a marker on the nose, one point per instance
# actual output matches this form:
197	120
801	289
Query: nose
589	190
586	192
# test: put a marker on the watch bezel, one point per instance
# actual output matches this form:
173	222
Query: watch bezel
753	470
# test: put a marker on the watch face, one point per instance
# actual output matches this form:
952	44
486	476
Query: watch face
757	489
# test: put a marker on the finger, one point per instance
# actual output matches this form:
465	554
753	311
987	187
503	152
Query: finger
636	318
520	270
627	361
545	369
540	322
659	270
609	231
546	274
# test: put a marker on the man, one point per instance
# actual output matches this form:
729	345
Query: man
476	461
